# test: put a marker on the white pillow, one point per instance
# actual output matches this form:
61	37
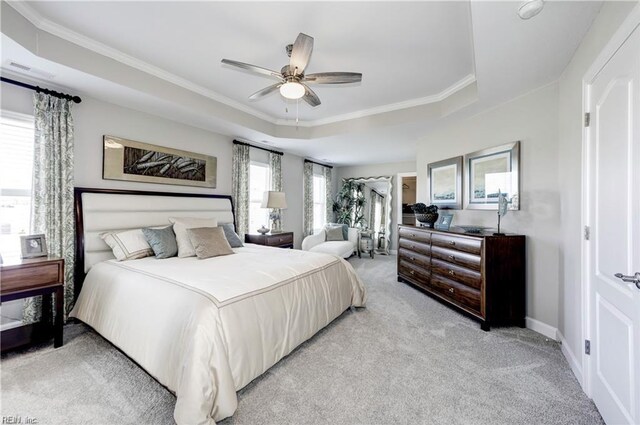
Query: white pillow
180	226
127	244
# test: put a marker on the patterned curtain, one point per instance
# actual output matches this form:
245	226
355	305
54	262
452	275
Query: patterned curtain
240	187
307	206
52	194
327	173
275	167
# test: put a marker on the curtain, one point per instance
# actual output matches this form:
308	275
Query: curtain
327	173
275	168
240	187
307	206
52	193
372	210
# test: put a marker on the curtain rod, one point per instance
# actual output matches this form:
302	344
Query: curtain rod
318	163
238	142
76	99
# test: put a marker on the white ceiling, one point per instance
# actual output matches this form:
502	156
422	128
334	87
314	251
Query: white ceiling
412	55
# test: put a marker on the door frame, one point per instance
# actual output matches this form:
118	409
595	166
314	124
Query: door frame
617	40
399	177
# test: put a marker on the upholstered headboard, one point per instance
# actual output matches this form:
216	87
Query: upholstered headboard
100	210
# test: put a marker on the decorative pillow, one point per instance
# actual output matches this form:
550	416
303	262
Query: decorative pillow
162	241
345	229
180	226
209	242
334	233
127	244
231	235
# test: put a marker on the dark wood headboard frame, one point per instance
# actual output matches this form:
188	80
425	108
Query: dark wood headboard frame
79	273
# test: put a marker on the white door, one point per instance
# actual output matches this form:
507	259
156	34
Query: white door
614	247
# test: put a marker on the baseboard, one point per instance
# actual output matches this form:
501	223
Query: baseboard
542	328
574	364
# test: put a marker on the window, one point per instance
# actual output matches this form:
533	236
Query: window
16	167
319	202
259	182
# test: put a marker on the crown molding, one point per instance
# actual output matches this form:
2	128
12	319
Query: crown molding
457	86
60	31
64	33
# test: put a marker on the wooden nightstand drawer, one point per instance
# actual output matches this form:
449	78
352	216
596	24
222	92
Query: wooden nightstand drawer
280	239
30	276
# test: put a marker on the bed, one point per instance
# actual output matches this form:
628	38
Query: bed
202	328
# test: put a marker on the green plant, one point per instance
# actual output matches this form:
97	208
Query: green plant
349	204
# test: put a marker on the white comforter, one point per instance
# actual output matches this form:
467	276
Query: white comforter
206	328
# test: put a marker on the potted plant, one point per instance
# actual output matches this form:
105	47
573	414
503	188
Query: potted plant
426	215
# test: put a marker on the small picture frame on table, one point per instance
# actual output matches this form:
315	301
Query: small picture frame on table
32	246
444	221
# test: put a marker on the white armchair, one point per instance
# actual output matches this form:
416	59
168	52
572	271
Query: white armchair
318	243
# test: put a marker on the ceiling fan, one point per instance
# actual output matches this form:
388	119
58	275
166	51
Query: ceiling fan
292	80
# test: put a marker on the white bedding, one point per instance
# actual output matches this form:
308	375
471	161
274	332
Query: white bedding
206	328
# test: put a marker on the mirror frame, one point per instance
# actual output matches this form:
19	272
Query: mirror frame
387	227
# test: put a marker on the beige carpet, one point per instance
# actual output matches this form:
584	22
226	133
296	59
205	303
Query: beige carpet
405	359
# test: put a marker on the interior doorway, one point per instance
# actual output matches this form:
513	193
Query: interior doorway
407	185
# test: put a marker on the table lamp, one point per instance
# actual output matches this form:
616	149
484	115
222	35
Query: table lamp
276	201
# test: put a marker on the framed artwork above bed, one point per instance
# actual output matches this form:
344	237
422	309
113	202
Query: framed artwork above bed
142	162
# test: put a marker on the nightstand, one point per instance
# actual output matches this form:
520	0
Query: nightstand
276	240
29	278
365	243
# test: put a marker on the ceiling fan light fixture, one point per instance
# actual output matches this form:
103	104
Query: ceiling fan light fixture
530	8
292	90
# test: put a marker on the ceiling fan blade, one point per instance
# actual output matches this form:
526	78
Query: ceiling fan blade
301	53
265	91
310	97
253	68
333	78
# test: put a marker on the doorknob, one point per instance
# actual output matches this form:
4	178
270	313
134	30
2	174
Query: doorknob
633	279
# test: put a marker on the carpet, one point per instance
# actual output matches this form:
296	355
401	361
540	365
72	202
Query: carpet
405	359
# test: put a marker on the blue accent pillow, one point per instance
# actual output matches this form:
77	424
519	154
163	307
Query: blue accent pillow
231	235
162	241
345	229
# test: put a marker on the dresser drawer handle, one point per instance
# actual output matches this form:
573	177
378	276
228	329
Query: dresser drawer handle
412	272
280	240
451	290
413	247
452	243
452	257
451	272
413	235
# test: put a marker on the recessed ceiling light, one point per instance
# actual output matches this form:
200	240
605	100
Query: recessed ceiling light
530	8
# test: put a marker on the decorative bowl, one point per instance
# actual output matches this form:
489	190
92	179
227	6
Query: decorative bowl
263	230
427	219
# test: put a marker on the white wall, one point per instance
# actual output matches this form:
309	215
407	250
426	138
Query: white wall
388	169
570	175
532	119
94	118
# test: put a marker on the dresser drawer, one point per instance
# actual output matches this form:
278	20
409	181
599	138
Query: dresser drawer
276	240
30	277
414	258
413	273
473	246
459	258
419	247
460	294
414	235
467	277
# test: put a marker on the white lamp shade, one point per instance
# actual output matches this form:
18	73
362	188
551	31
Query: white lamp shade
272	199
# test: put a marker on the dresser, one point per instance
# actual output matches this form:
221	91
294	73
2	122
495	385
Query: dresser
277	240
28	278
480	275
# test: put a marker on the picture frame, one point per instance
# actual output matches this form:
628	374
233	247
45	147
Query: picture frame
444	183
490	171
134	161
32	246
444	221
